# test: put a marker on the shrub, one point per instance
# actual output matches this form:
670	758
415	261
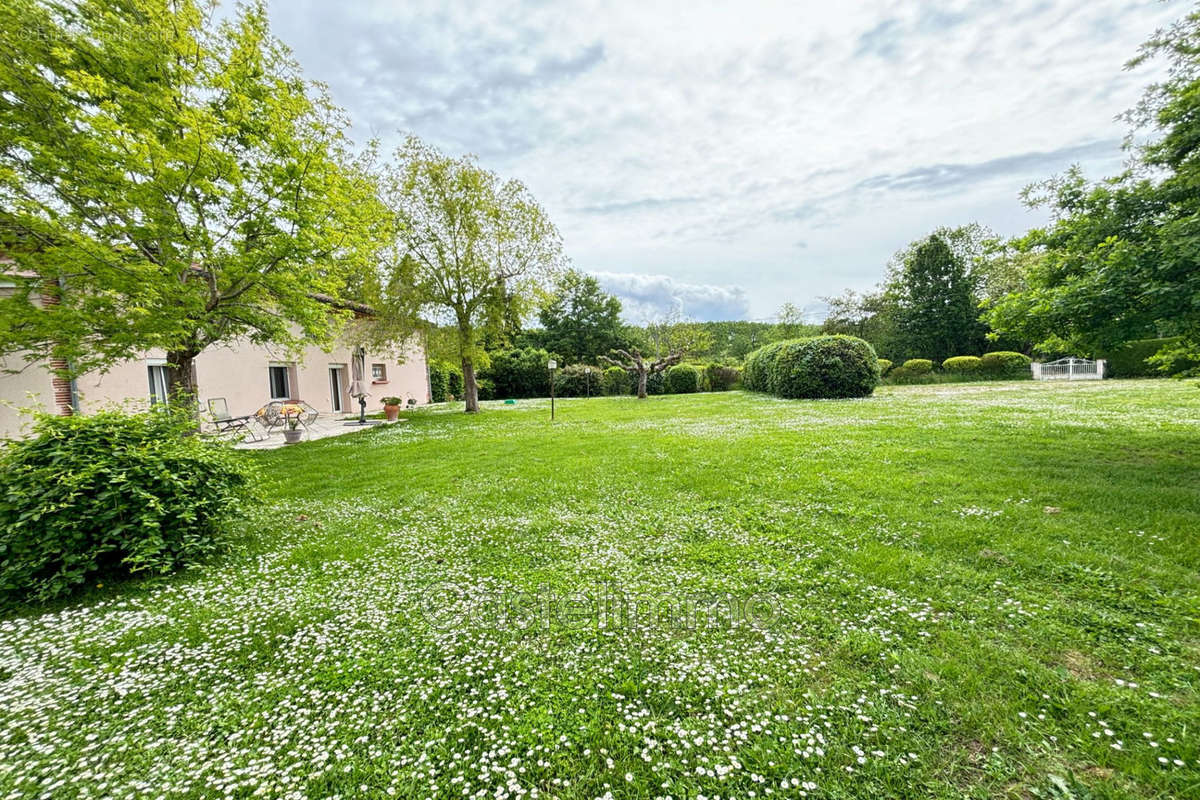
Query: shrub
616	381
1005	364
817	367
722	377
961	365
655	383
1130	359
759	371
439	384
884	366
578	380
520	373
485	388
683	379
111	494
917	366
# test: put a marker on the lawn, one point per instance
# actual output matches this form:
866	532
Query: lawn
977	589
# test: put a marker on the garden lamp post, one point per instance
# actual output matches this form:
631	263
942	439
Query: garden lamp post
553	365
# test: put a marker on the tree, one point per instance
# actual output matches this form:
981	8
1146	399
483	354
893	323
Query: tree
477	249
937	315
580	320
790	322
632	362
167	182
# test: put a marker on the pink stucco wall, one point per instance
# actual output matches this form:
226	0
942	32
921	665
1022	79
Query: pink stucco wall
237	372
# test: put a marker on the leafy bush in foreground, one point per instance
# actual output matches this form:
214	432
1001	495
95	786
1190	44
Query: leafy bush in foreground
961	365
111	494
1005	364
816	367
683	379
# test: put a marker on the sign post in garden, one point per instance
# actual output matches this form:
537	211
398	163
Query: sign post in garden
553	365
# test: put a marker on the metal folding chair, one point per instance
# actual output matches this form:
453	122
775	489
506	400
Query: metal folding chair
218	409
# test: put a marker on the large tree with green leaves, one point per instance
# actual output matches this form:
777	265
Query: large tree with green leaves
1120	259
168	181
579	319
936	310
479	250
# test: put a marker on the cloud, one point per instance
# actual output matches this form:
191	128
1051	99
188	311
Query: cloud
645	297
705	145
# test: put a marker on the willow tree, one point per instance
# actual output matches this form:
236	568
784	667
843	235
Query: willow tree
478	250
169	182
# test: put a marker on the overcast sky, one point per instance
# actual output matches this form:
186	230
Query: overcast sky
732	157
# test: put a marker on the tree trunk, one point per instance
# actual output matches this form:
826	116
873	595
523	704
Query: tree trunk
183	390
641	373
470	387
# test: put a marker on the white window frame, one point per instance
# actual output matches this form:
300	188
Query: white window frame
382	376
287	381
157	367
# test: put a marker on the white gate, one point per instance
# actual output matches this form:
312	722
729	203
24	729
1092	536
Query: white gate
1069	369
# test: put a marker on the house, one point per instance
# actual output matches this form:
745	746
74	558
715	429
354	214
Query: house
247	375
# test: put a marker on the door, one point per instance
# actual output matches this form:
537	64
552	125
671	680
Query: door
337	385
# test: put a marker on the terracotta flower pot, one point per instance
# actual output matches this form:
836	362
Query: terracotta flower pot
391	412
292	435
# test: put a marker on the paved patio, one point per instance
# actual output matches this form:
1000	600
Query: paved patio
325	426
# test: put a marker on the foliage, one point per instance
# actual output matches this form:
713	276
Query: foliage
580	320
656	383
683	379
961	365
1135	359
439	385
917	366
884	366
578	380
454	382
392	401
1006	364
108	495
478	250
616	381
170	182
722	377
817	367
1119	258
519	373
759	371
937	313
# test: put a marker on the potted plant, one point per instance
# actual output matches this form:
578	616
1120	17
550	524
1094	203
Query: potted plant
291	419
391	408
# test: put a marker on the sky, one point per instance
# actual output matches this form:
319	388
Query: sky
722	159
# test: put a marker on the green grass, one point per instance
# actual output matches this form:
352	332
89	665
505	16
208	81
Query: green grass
940	591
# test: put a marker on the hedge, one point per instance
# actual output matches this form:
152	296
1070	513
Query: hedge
722	377
917	366
814	367
439	383
1129	360
1005	364
111	494
616	381
578	380
884	366
962	365
519	373
683	379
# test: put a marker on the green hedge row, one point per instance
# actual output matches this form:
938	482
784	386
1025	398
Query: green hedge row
998	365
1130	359
813	367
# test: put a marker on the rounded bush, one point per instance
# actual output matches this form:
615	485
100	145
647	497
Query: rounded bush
917	366
111	494
683	379
884	366
1005	364
961	365
578	380
760	368
817	367
722	377
616	381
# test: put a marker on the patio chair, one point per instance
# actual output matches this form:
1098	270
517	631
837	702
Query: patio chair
224	422
270	417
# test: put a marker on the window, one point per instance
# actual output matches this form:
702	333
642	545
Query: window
158	384
279	382
378	372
